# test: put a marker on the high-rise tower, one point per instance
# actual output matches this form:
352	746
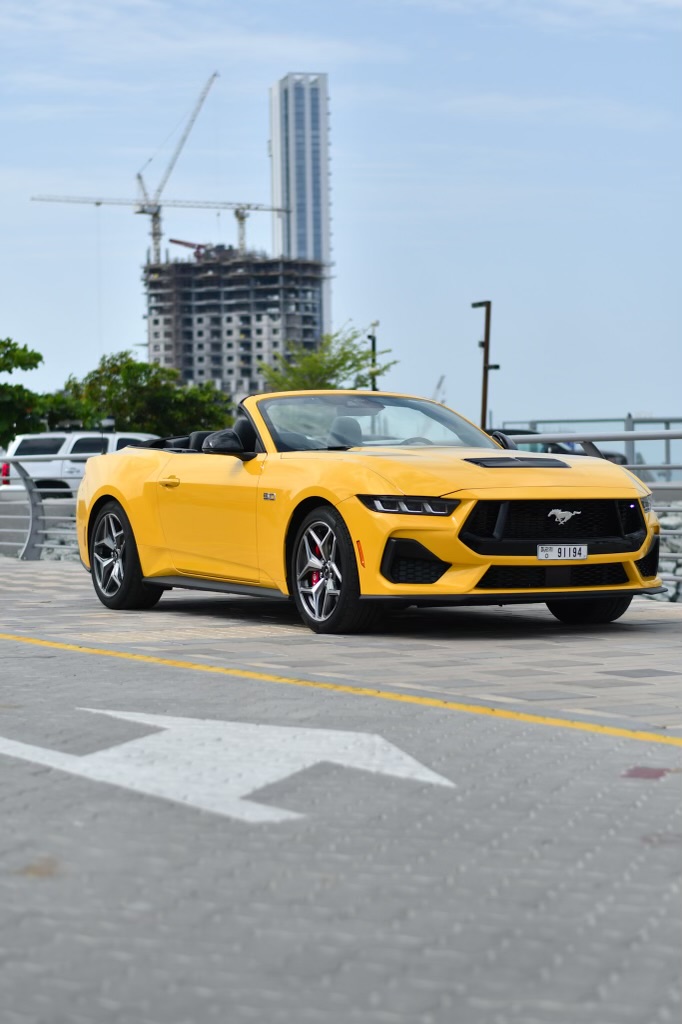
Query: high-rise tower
299	150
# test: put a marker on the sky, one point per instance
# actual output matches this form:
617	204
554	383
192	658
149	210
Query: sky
524	152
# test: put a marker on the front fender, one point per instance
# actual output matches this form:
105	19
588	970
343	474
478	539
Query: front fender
295	480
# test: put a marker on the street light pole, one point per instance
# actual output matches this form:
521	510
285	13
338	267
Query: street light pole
485	345
372	338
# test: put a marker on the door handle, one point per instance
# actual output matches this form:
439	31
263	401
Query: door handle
169	481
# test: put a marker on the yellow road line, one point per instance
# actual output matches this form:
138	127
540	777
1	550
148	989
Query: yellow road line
357	691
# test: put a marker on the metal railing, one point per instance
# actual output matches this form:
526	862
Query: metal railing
627	431
45	527
30	529
667	469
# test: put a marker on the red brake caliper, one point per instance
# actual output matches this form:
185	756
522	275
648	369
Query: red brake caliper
315	575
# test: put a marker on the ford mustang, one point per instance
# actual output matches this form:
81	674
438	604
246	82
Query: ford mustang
348	502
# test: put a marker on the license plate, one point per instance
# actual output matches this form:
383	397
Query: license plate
562	552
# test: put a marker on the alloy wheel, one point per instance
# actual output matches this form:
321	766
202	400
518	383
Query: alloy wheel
318	572
109	554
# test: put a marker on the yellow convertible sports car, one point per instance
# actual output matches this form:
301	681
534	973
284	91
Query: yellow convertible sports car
350	501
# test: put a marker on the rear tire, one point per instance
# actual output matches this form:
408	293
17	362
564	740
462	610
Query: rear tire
323	576
115	563
590	611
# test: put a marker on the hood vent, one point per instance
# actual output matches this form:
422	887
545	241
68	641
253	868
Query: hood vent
518	462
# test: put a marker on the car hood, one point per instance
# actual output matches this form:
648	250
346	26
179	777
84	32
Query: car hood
443	471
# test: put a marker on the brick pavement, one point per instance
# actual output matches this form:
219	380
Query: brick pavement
629	671
543	889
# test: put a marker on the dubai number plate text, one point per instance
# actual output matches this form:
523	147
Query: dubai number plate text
562	552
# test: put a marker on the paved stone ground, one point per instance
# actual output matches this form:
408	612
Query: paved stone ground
544	888
629	672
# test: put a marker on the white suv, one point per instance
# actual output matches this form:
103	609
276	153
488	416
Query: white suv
59	475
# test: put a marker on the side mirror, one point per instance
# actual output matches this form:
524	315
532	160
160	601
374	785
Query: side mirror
503	440
226	442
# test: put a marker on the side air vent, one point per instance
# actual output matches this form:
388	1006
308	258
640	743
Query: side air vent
648	566
408	561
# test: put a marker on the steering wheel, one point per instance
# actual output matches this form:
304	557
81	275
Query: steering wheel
417	440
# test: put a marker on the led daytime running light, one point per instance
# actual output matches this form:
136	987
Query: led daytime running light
408	505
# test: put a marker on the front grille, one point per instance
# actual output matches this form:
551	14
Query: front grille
517	527
543	577
408	561
648	566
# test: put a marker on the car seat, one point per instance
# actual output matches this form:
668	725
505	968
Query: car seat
345	430
197	438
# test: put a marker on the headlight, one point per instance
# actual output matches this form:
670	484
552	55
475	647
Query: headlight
647	503
408	505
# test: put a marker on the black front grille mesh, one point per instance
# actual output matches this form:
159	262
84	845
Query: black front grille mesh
514	527
552	520
415	570
631	517
541	577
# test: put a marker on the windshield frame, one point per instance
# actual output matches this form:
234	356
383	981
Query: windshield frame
303	421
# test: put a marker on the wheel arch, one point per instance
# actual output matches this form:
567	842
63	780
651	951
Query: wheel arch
116	572
298	515
92	515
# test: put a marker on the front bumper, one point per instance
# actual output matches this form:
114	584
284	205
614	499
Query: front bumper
426	559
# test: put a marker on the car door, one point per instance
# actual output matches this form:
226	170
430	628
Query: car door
207	508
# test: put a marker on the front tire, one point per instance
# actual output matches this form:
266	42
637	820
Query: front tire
590	611
115	563
324	578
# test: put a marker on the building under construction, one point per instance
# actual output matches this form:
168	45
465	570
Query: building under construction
218	315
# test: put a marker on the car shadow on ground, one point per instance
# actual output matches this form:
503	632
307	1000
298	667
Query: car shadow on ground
493	622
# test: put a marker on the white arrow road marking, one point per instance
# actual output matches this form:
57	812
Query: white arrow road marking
214	765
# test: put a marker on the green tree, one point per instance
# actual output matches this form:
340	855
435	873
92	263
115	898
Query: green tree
342	360
19	411
60	410
143	397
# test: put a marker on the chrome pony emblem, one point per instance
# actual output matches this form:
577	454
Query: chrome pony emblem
561	516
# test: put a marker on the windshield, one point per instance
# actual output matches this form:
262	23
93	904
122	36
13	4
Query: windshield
334	421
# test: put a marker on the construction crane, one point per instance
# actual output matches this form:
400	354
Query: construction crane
151	205
241	212
198	247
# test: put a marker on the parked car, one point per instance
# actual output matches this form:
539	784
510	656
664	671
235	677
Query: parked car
349	502
59	475
557	447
